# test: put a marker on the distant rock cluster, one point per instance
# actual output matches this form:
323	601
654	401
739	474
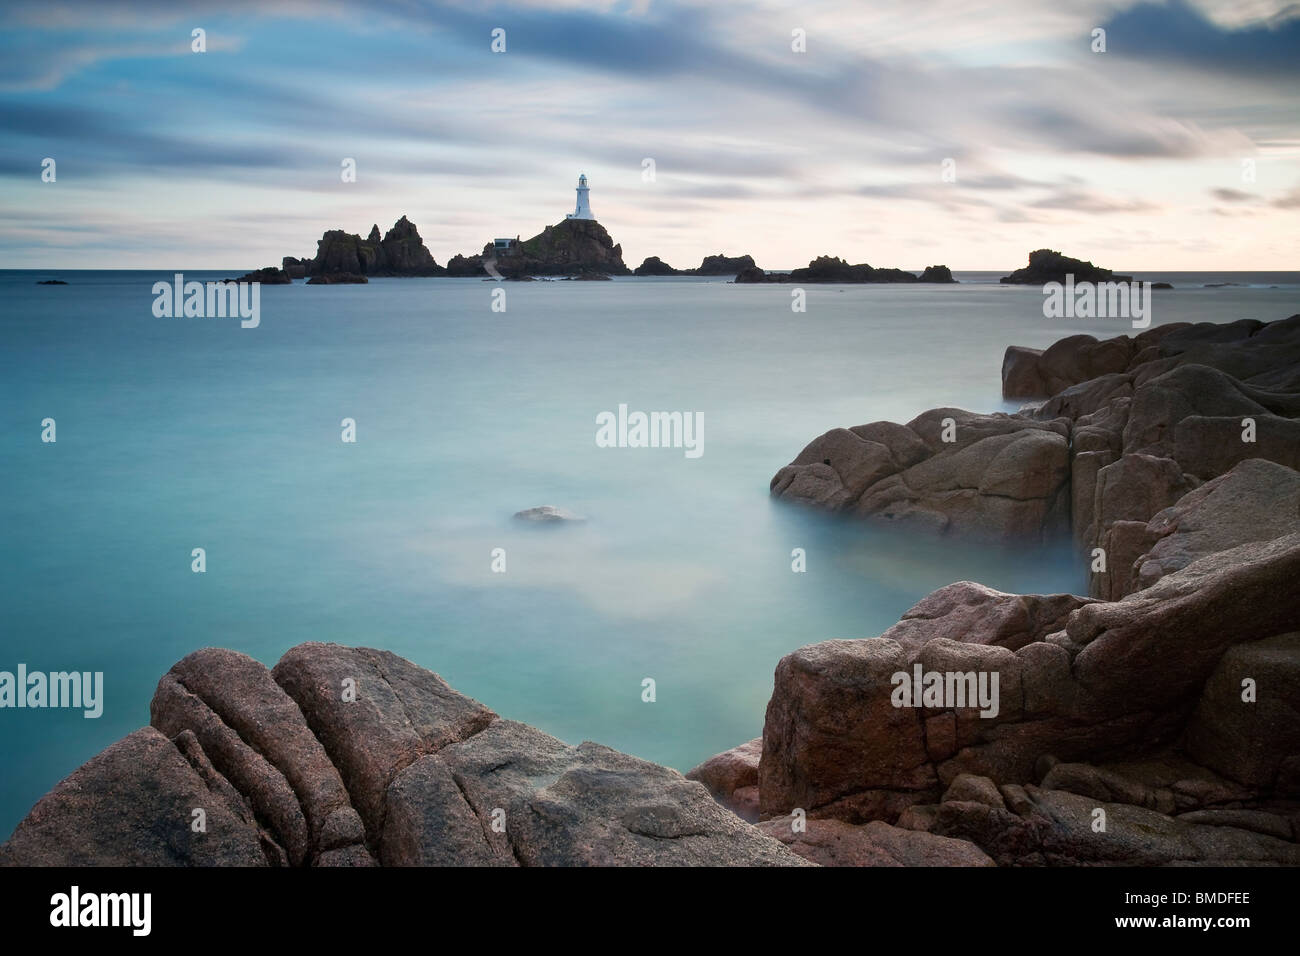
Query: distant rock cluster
834	269
572	248
401	252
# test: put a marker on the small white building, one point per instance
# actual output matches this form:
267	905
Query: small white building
583	209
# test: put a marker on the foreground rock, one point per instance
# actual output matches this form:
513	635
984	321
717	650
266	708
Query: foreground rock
132	805
1132	426
1133	709
352	757
1164	706
836	843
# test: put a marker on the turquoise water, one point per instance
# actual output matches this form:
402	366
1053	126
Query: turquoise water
175	434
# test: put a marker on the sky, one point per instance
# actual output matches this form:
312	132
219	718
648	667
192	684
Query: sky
901	133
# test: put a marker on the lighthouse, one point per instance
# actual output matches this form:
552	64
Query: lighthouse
583	209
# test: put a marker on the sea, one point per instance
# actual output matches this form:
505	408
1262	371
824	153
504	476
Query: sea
653	626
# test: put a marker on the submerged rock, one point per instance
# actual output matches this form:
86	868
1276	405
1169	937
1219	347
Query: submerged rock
337	278
547	514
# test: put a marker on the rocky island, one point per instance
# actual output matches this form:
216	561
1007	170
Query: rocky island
719	265
401	252
1048	265
572	247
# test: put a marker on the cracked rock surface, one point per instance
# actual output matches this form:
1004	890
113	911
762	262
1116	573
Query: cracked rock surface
344	756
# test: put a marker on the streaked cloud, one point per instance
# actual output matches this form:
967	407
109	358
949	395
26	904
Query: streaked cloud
782	153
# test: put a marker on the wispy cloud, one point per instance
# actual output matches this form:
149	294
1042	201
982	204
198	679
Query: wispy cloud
787	150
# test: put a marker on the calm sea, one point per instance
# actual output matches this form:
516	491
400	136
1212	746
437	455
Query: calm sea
175	434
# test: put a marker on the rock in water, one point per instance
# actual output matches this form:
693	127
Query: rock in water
546	514
721	265
573	247
1048	265
401	252
654	266
832	269
937	274
268	276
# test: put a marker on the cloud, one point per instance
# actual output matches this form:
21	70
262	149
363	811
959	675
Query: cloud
1290	200
1233	195
1079	200
1176	31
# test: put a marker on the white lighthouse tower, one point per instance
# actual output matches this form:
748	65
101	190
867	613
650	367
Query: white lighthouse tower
583	209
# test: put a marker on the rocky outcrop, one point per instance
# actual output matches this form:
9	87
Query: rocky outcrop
1129	712
721	265
268	276
1047	265
1132	426
401	252
1249	503
654	266
573	247
1164	706
836	843
937	274
732	777
133	805
999	477
355	757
